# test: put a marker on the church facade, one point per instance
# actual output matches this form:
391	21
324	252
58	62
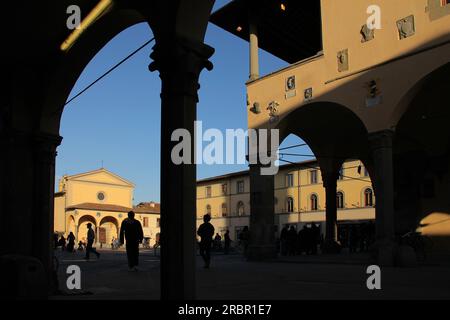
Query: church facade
104	199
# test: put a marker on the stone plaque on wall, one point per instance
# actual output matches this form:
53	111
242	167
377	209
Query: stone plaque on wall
342	58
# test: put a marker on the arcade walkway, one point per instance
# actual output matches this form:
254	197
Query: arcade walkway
232	278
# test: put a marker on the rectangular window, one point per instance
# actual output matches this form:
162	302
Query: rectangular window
240	187
145	222
289	180
224	189
208	192
158	223
313	176
224	210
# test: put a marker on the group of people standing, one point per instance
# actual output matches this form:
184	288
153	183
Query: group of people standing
305	241
131	233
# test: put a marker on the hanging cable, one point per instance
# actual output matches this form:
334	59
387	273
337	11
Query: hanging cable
109	71
318	168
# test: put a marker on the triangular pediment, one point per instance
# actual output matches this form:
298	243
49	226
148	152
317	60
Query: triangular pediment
101	176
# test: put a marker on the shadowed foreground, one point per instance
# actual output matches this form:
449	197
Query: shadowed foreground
230	277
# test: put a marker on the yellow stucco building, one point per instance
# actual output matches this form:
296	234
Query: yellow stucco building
102	198
299	198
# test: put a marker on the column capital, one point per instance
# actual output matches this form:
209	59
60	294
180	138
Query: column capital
381	139
180	62
45	145
330	179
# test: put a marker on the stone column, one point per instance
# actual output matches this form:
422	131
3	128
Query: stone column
44	148
179	63
262	215
331	236
17	182
254	51
76	236
381	148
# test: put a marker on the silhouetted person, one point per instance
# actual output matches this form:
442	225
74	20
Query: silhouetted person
284	241
80	246
315	238
206	232
244	237
292	241
227	242
353	239
90	242
62	243
131	231
303	240
55	240
218	241
71	242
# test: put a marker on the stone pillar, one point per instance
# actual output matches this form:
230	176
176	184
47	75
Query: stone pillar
43	204
262	215
331	236
179	63
254	52
76	235
381	148
17	184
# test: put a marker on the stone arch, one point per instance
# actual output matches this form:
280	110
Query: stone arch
111	226
421	90
345	137
422	150
72	63
71	225
82	226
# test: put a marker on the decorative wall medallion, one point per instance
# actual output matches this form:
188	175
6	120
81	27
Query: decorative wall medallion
273	111
342	58
256	109
120	215
406	27
367	33
374	96
99	214
290	83
308	94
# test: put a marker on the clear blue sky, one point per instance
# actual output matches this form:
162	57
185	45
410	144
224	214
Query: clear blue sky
118	120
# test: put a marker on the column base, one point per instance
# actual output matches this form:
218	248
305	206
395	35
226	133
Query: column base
331	247
26	278
261	253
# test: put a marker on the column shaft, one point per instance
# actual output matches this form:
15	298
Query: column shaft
43	204
179	64
262	216
381	146
330	185
254	52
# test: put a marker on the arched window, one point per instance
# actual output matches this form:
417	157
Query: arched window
290	205
208	209
240	209
368	197
340	200
314	202
224	210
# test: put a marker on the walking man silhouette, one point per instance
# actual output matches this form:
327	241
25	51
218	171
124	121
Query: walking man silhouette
206	232
131	231
90	242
